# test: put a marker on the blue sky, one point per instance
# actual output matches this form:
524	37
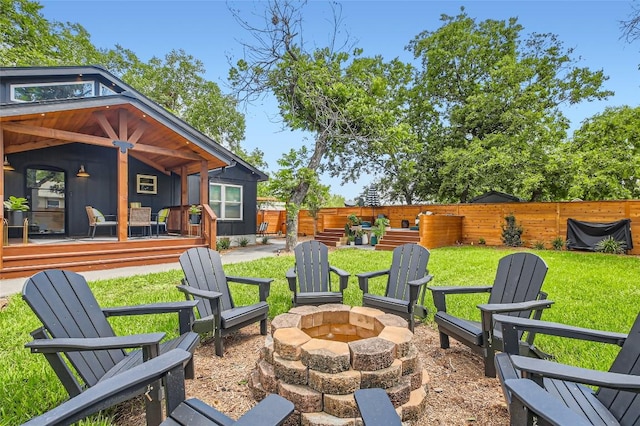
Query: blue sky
206	30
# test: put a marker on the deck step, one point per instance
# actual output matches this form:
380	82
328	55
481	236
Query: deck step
395	238
330	236
25	260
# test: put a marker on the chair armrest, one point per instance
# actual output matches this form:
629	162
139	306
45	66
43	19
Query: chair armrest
273	410
515	307
344	276
511	325
263	283
114	390
183	308
414	289
376	407
555	370
67	344
541	403
205	294
291	278
461	289
421	281
153	308
439	293
363	278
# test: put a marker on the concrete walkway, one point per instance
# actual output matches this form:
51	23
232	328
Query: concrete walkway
238	254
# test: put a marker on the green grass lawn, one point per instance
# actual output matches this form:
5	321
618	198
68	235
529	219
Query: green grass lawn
589	289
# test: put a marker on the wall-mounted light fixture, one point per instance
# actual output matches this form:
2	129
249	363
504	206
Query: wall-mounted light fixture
82	172
6	165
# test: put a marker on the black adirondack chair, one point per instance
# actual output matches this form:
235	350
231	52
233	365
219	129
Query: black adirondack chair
310	278
532	405
616	401
406	279
271	411
206	282
515	290
376	408
75	328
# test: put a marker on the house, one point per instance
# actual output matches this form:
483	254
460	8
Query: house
78	136
495	197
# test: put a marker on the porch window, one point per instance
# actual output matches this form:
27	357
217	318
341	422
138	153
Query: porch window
33	92
226	201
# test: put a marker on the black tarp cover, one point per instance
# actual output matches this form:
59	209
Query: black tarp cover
585	235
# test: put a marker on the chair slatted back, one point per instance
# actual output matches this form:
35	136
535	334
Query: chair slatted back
518	279
409	262
312	267
202	269
65	305
625	406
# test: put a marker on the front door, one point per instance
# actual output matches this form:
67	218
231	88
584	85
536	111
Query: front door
46	195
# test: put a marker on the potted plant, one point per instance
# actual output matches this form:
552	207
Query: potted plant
378	232
16	206
354	222
352	239
358	237
194	214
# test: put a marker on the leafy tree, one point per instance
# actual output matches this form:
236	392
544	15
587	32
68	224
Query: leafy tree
337	96
631	27
178	84
498	97
29	39
285	182
316	198
603	159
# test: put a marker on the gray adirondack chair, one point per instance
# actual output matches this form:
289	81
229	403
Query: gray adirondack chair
516	290
310	278
271	411
206	282
406	284
616	401
75	329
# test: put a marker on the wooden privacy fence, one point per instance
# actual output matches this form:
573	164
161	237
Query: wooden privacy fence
541	222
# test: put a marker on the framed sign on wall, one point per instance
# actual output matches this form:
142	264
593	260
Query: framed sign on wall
147	184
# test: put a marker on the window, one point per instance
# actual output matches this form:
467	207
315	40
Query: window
106	91
33	92
226	201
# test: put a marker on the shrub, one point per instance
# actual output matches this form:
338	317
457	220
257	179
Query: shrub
482	241
223	244
511	232
557	243
243	242
265	240
611	245
538	245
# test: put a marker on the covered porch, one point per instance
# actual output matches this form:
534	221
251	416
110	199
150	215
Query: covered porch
107	150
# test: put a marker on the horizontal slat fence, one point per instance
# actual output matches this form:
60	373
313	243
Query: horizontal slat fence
542	222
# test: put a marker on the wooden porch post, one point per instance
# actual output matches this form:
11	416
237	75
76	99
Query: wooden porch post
184	200
123	178
204	183
2	230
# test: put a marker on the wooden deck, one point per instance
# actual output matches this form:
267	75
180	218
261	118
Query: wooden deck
85	254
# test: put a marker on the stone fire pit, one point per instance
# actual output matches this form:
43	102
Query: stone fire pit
317	357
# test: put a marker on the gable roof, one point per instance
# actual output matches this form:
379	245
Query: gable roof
159	138
495	197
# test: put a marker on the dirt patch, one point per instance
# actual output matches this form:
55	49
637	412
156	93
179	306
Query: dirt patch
459	394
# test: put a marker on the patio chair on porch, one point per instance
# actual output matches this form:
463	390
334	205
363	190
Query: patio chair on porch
161	220
78	341
140	217
97	219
